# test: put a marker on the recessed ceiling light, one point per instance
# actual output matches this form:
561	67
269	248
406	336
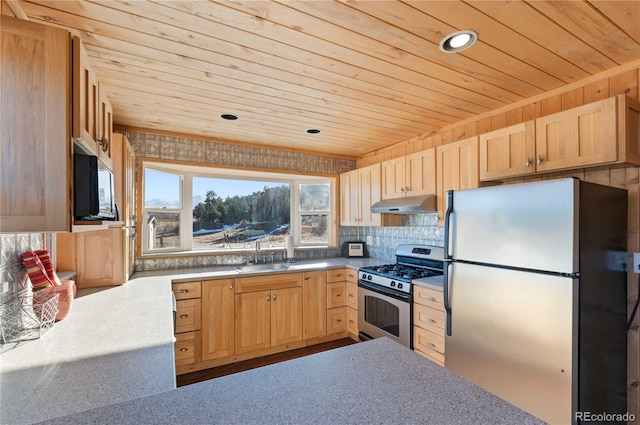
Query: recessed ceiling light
313	131
458	41
229	117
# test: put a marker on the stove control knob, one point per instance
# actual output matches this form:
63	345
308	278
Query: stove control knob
369	277
393	283
399	285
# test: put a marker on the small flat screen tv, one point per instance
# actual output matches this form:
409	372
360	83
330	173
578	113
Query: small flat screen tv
93	189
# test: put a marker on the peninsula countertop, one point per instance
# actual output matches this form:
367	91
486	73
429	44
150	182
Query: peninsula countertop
351	385
116	344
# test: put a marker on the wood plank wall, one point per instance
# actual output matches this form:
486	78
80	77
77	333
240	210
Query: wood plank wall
624	80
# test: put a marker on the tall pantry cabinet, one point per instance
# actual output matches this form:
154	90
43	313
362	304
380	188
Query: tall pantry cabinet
35	127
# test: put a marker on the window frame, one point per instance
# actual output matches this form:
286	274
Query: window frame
187	172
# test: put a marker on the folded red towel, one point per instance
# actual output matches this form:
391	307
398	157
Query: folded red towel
37	273
45	259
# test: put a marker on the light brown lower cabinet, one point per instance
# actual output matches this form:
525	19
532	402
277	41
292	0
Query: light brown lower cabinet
97	256
252	316
218	326
429	322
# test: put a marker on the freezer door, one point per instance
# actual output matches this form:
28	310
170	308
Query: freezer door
512	334
530	225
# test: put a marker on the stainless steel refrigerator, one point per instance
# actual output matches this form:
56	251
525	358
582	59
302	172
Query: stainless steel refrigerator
535	294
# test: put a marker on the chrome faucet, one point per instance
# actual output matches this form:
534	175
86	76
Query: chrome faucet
257	251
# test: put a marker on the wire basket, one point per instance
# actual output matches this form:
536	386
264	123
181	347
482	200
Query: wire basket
27	317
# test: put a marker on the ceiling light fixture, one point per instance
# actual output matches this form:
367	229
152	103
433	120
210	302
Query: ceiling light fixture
313	131
229	117
458	41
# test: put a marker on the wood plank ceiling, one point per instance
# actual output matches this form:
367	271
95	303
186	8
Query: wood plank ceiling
368	74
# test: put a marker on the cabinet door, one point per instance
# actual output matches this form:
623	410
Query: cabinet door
393	178
336	320
508	152
457	168
352	321
35	139
188	315
217	318
286	316
252	321
369	181
421	173
100	260
349	198
314	304
582	136
105	128
85	98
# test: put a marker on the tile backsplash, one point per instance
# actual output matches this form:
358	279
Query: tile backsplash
416	229
12	273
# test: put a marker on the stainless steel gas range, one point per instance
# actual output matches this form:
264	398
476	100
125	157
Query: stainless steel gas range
385	293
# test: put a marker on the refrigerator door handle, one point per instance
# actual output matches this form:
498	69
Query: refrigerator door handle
447	225
446	289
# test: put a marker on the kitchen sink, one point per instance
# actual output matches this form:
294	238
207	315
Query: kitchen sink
266	267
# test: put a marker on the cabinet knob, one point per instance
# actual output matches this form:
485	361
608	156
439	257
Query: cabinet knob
274	297
539	161
268	298
103	143
184	316
231	286
184	350
528	162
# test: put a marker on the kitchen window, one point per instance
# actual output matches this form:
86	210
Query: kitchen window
193	208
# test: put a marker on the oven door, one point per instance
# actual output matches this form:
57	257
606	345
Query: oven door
384	313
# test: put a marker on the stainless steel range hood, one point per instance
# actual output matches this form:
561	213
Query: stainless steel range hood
408	205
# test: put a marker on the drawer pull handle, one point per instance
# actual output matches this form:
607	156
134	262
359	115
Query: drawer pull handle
338	295
184	291
432	346
539	160
339	274
184	350
184	316
431	320
351	295
339	320
430	299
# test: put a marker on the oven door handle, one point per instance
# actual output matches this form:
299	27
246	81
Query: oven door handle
398	295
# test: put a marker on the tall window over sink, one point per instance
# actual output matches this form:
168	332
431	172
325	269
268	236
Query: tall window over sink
194	208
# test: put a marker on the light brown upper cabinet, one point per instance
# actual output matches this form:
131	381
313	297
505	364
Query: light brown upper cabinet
35	137
508	152
599	133
92	121
578	137
359	190
457	169
410	175
105	128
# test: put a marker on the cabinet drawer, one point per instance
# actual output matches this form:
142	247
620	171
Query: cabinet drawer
352	295
336	275
336	294
428	297
352	276
187	348
336	320
428	342
188	316
268	282
429	318
352	321
433	356
187	290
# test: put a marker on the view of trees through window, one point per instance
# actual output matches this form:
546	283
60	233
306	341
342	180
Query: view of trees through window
237	221
185	210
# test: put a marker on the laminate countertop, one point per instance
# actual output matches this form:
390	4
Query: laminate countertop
373	382
111	361
116	344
